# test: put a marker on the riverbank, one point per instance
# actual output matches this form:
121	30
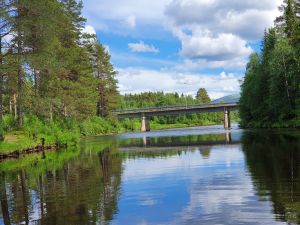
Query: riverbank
20	142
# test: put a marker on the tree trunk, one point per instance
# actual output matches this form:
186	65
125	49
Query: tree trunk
4	202
35	82
19	99
19	86
24	196
10	106
100	101
1	93
15	105
51	112
100	110
286	82
41	198
65	110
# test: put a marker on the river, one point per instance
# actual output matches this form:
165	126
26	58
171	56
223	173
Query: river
203	175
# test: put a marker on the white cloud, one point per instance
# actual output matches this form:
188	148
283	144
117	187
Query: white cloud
142	47
206	46
89	30
230	16
131	21
218	30
135	80
144	11
107	48
212	34
200	64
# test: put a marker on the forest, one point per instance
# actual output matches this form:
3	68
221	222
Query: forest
52	73
270	95
58	82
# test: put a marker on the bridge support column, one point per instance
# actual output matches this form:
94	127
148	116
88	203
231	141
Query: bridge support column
227	124
145	125
228	137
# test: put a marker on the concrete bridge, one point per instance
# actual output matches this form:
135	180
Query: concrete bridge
146	113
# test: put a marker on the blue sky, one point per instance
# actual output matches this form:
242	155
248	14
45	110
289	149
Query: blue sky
180	45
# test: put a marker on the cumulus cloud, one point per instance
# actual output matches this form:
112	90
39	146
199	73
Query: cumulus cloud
136	80
218	30
131	21
212	34
205	28
142	47
202	44
230	16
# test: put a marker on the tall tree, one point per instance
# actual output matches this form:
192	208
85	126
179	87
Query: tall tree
108	95
202	96
271	89
5	32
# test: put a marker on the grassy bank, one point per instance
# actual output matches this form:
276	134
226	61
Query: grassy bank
68	132
16	141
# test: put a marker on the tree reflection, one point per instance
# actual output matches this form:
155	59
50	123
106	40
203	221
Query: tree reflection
274	163
3	200
76	192
205	152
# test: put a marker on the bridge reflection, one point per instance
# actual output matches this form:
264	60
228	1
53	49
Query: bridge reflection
146	113
176	143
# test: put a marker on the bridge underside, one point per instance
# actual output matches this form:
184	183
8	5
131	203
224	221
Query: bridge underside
146	114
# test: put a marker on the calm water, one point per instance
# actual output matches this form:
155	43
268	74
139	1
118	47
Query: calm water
184	176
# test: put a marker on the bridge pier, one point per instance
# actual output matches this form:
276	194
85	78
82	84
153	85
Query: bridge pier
228	137
227	124
145	124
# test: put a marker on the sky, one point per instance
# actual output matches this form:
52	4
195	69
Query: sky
180	45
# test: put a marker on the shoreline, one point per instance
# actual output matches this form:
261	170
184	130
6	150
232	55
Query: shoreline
39	148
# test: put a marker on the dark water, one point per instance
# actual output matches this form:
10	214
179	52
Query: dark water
184	176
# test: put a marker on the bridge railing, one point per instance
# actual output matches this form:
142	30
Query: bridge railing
171	107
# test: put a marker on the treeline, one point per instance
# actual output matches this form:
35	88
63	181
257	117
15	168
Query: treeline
270	92
57	82
157	99
50	68
160	99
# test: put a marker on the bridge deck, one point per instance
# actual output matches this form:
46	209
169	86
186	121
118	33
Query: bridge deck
173	110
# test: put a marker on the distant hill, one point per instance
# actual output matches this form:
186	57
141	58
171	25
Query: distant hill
227	99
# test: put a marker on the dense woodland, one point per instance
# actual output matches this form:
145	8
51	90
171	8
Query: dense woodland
58	82
51	71
271	89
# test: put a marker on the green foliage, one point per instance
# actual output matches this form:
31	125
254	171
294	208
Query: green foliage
202	96
130	125
50	74
98	126
270	91
160	99
49	70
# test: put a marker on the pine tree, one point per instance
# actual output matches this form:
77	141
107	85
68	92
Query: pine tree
108	96
5	31
249	101
271	89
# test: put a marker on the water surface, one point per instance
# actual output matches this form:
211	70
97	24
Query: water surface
182	176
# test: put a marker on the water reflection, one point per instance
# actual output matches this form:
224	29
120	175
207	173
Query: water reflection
82	191
274	162
219	178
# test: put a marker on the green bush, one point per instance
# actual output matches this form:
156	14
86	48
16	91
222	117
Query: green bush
98	126
9	123
1	133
